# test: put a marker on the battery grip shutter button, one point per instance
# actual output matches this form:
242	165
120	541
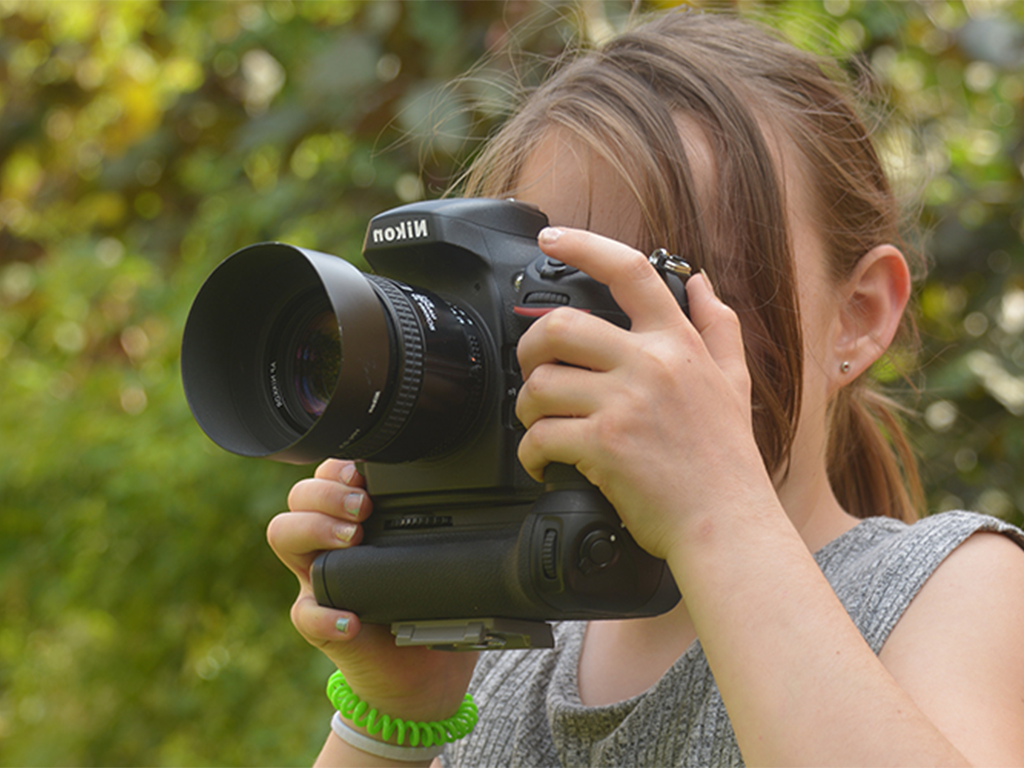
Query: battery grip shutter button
599	549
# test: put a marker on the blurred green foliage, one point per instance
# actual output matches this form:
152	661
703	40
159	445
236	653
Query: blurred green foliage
143	619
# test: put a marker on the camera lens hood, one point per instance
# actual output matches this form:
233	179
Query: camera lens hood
235	381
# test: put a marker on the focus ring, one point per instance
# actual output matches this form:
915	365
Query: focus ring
410	368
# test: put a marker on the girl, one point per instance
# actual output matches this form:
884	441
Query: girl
819	623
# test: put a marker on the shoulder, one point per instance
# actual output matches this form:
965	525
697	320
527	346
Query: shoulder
956	649
878	567
982	578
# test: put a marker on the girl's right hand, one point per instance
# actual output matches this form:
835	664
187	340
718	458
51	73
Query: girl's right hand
411	683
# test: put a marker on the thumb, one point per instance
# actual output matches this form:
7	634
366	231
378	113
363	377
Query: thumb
719	327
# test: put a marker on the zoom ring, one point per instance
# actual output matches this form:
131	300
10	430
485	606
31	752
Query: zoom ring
410	377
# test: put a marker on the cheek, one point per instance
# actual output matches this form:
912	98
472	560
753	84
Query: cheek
820	381
819	317
815	343
819	310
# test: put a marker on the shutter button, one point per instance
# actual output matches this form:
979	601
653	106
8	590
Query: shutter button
553	268
599	550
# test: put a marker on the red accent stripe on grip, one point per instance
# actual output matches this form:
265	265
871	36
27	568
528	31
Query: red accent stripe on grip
539	311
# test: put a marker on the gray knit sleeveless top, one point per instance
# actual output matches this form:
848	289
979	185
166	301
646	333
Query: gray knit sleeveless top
530	710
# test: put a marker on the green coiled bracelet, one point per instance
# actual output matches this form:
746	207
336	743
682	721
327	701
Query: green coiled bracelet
420	734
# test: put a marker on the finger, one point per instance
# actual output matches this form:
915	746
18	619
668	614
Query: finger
552	440
568	336
320	625
330	497
634	283
297	537
341	470
719	327
558	390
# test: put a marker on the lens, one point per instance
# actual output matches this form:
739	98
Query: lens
304	359
295	355
261	360
317	360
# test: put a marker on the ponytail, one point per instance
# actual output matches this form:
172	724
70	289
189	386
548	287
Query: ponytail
871	465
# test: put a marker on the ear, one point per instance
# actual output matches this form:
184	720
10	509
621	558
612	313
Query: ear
872	303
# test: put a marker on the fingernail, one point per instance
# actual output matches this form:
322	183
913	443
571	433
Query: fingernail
710	284
549	234
352	503
347	474
344	531
342	625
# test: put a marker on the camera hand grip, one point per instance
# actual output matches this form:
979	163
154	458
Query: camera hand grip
565	557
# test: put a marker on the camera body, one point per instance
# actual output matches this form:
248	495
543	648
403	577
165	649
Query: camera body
463	549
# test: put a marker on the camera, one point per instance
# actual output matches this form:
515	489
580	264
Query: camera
296	356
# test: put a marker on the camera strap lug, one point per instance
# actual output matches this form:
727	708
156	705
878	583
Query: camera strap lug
666	263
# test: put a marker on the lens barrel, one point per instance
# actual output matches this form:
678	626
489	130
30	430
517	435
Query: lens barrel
296	355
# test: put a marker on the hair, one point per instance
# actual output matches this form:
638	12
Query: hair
742	88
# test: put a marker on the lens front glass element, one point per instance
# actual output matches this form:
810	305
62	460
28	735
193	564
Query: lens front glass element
317	363
304	359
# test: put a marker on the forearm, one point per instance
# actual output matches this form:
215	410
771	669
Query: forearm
800	684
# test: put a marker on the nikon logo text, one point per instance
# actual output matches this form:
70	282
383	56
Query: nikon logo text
405	230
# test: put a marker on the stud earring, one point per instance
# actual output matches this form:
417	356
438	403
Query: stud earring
844	367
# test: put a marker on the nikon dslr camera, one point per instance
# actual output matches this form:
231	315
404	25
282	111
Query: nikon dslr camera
297	356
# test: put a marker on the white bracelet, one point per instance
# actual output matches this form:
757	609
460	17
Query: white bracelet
379	748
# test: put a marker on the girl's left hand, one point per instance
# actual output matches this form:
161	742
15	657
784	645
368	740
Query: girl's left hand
658	417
